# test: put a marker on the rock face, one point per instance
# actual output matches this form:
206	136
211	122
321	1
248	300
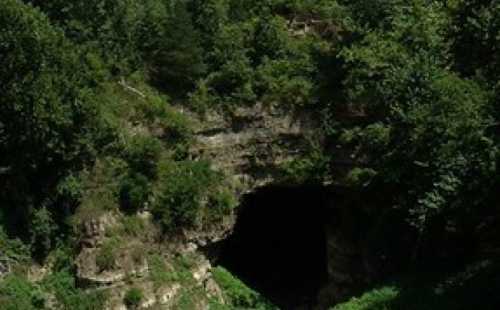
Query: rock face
94	230
92	233
250	146
132	269
251	143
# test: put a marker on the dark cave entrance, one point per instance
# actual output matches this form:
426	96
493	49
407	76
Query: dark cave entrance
278	246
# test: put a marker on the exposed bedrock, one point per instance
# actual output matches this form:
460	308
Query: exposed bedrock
303	247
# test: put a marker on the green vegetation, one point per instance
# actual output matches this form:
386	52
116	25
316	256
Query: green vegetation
133	297
377	299
14	250
49	115
106	257
62	285
313	167
459	290
178	271
132	226
182	186
237	294
405	93
159	273
18	293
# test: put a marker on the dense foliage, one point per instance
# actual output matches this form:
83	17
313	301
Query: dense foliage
237	294
48	115
409	89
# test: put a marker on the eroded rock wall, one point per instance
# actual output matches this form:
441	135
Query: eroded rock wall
251	143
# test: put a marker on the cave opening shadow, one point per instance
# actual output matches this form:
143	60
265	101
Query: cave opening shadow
278	246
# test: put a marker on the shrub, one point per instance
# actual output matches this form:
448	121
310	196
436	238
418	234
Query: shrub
13	249
143	154
133	297
237	293
62	257
378	299
134	193
183	265
181	189
202	98
106	257
62	285
42	228
176	125
313	168
190	298
221	203
16	293
101	186
133	226
158	271
186	301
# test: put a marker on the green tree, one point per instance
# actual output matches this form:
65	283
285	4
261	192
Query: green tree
42	229
424	129
108	26
48	114
175	55
475	38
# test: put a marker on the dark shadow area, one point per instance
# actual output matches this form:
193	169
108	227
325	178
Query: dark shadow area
278	246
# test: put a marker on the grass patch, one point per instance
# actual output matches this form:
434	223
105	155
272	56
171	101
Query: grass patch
133	298
237	294
158	271
106	256
377	299
62	285
475	287
17	293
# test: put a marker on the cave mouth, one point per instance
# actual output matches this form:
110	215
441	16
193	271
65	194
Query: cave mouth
278	246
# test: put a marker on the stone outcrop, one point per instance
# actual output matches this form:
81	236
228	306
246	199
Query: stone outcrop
132	270
89	274
153	298
251	143
250	146
93	231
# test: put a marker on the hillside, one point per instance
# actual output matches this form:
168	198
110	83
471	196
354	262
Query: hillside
231	154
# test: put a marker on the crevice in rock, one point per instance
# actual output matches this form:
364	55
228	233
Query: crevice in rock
278	246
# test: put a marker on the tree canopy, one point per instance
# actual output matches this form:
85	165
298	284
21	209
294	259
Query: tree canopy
91	92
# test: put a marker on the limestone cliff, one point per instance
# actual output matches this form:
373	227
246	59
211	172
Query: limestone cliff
251	143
